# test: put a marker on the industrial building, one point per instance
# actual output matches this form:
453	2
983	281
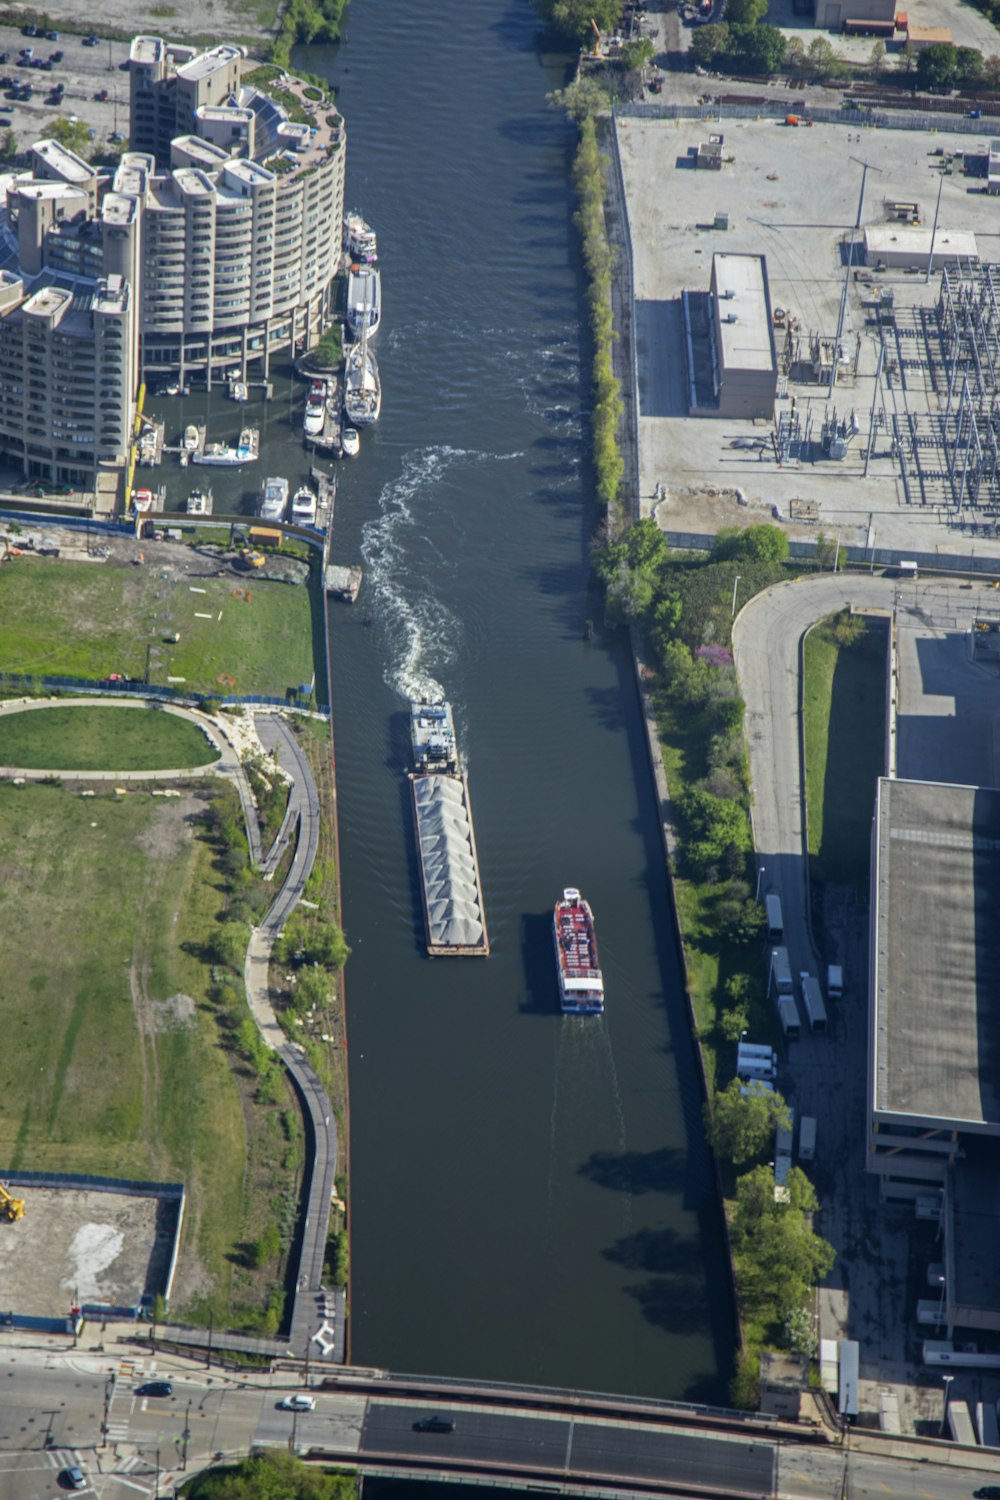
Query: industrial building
895	247
934	1026
204	254
832	15
732	364
747	364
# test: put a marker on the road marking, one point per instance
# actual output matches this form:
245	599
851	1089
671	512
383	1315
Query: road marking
133	1484
886	1488
804	1477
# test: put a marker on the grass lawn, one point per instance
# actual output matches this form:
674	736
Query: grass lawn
844	697
118	1065
102	739
92	619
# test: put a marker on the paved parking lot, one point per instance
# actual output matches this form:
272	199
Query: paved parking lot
83	73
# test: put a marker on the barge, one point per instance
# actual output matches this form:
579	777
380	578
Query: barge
454	916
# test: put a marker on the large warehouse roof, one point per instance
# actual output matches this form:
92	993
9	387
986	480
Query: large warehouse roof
936	1039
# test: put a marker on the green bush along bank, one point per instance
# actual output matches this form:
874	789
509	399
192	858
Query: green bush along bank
684	609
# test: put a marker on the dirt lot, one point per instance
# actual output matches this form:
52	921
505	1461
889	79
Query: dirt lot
75	1246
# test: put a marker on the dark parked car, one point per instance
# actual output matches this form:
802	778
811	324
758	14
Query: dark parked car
73	1479
434	1424
56	56
4	57
156	1388
52	36
90	41
988	1492
29	30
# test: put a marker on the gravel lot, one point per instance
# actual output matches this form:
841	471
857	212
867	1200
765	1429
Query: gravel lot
93	1246
180	19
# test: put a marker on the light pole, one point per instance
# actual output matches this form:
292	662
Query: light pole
736	582
185	1435
760	877
947	1392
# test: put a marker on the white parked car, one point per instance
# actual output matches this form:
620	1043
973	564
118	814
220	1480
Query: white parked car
297	1403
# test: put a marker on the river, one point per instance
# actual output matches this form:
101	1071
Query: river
531	1195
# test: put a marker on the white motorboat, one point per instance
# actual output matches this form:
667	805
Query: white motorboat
222	456
304	507
362	386
189	441
364	300
350	442
315	414
199	503
238	390
360	238
273	498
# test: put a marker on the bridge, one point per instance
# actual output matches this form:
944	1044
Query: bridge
588	1444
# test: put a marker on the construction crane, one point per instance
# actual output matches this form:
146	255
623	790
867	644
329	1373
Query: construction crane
11	1208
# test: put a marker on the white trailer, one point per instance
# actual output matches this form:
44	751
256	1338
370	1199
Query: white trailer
788	1015
812	1000
834	981
780	976
807	1138
775	922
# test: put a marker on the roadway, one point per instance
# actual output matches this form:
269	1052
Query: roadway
86	1407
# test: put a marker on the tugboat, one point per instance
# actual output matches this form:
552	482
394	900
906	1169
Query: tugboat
581	983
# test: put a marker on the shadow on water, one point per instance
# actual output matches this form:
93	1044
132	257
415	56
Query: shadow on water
539	976
636	1172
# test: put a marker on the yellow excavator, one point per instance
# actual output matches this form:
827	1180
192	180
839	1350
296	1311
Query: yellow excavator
11	1208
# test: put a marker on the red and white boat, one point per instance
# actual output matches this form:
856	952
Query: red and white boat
581	983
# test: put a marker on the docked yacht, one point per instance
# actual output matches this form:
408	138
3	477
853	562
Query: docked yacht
273	498
362	386
304	507
364	300
360	239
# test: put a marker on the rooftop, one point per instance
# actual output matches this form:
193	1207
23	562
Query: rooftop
146	50
936	1053
744	311
69	166
207	63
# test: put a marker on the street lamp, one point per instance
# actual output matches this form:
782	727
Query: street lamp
947	1392
760	877
736	581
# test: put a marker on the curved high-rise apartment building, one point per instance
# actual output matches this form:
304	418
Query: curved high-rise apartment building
242	207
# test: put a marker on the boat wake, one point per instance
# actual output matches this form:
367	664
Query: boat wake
421	635
585	1089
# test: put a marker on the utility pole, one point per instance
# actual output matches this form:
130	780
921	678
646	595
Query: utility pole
937	210
866	167
185	1435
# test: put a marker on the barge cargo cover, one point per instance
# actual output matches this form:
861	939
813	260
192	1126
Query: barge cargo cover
449	866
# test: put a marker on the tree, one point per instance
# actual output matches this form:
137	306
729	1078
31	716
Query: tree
572	18
764	543
73	134
581	100
758	49
795	54
742	1129
632	568
710	44
326	945
635	55
991	71
745	12
969	67
229	945
823	61
273	1475
937	66
876	61
717	830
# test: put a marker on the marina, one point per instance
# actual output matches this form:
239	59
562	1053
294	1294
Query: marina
452	894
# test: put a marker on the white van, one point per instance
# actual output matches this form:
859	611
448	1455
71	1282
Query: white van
775	924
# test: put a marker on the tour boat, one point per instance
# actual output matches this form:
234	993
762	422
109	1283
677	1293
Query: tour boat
581	984
360	238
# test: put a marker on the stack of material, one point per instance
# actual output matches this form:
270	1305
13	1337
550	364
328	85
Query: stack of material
452	896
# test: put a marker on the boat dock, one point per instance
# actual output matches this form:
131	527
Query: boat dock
449	865
326	495
343	583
